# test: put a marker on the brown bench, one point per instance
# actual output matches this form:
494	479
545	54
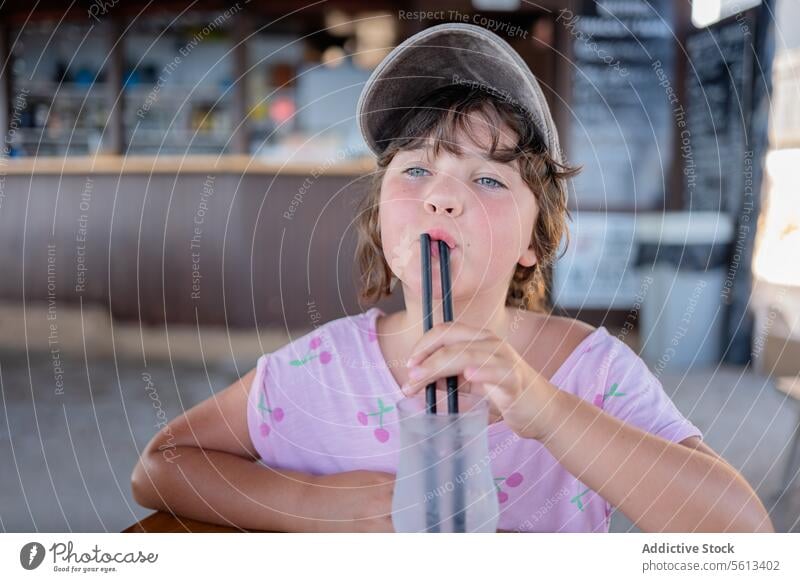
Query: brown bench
163	522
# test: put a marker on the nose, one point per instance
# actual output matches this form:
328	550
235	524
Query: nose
443	199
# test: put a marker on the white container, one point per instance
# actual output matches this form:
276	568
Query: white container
683	269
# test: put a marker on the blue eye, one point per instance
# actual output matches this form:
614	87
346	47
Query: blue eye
415	172
492	183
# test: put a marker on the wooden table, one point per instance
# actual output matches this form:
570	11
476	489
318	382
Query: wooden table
162	522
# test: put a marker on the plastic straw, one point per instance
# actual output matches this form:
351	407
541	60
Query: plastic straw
447	311
459	518
427	304
432	509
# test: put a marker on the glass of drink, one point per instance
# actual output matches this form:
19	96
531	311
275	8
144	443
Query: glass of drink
444	481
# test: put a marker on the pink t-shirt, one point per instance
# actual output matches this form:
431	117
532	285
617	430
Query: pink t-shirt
326	403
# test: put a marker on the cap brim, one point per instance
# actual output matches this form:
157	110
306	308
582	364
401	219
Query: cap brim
443	55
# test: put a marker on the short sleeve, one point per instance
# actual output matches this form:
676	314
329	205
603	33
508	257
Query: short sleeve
258	421
634	395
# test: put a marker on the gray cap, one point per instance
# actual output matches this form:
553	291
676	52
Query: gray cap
446	54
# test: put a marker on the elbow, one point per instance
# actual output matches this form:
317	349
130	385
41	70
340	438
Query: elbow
765	526
757	518
753	518
760	521
144	481
147	479
738	511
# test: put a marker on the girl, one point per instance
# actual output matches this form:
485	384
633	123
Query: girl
308	440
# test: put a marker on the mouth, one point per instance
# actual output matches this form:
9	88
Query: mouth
439	234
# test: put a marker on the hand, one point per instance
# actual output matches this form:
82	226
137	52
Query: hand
488	366
353	501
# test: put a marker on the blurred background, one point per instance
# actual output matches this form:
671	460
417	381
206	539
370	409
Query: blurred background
178	183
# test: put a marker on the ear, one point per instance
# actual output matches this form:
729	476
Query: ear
527	258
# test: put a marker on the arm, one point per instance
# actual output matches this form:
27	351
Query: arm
203	465
659	485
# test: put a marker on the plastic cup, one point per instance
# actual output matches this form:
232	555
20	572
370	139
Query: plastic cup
444	481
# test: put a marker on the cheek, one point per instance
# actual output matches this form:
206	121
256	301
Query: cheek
397	215
506	228
397	197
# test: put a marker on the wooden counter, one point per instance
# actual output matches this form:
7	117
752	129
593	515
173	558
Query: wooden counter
189	164
219	240
162	522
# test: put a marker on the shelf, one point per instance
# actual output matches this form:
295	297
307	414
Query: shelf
49	89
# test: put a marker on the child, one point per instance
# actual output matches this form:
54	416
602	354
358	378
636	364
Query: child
468	152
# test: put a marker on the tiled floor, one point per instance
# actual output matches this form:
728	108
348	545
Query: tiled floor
68	457
749	423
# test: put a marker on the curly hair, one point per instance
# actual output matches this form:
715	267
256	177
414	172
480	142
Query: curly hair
437	118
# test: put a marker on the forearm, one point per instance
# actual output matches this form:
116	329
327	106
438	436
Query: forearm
226	489
660	486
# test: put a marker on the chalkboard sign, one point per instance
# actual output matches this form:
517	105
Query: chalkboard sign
713	144
623	60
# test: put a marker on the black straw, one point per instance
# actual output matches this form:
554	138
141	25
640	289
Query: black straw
432	505
427	303
459	518
447	311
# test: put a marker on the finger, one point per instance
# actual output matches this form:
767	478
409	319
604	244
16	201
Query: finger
481	350
497	382
481	391
489	374
442	392
463	385
449	361
492	389
443	334
452	359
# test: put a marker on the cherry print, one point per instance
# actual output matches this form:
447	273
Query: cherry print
381	434
514	480
577	499
324	356
276	414
599	399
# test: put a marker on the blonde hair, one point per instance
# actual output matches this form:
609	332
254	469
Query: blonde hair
439	116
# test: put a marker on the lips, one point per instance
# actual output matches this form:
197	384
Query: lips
438	234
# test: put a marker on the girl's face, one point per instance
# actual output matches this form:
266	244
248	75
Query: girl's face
483	207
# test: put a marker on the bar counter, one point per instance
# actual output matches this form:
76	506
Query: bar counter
229	241
172	164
